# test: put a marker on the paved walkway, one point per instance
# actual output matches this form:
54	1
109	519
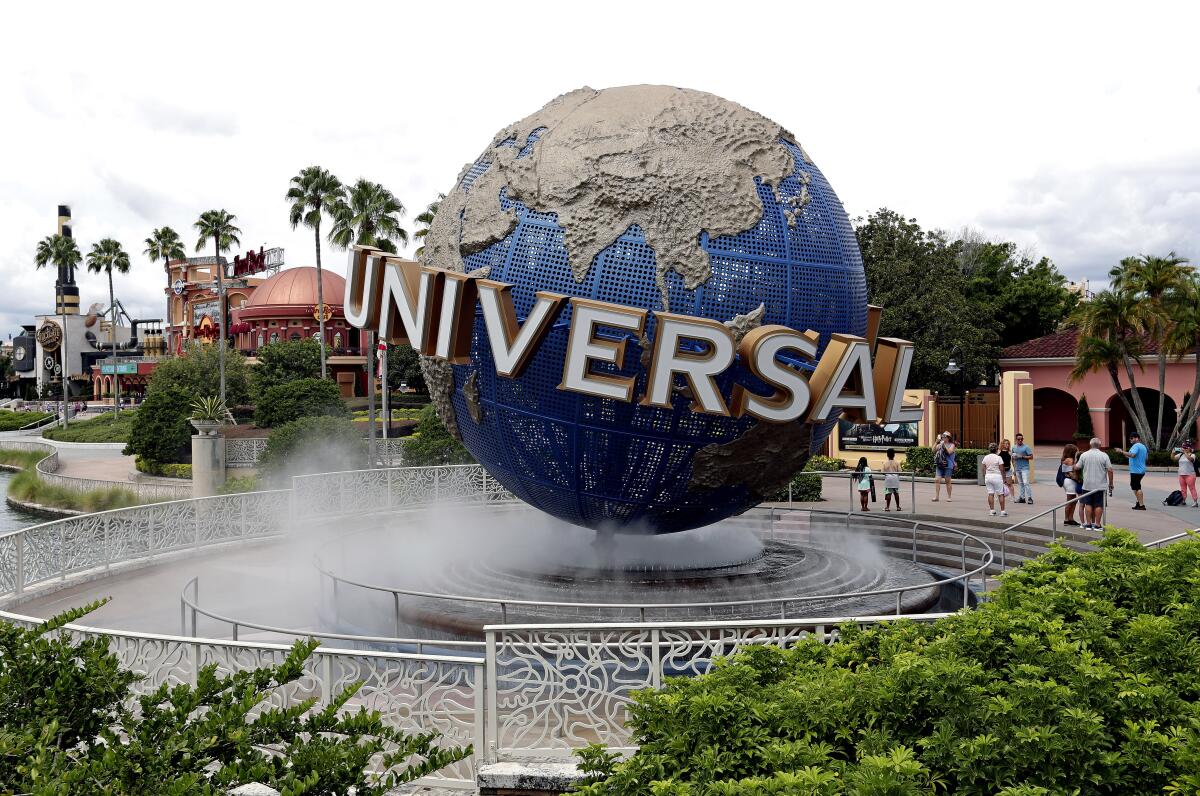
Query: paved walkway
101	461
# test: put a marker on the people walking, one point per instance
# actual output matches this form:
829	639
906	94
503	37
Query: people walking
993	480
1185	456
1095	470
1066	479
1005	454
943	464
1137	455
1022	455
891	481
862	474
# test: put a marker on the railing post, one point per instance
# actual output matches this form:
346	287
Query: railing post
789	491
62	550
326	677
899	602
912	497
396	606
914	542
655	659
478	739
1054	525
390	473
20	563
489	672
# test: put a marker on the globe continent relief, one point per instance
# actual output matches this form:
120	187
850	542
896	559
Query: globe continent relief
664	199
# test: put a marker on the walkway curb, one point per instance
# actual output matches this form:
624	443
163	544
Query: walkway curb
42	511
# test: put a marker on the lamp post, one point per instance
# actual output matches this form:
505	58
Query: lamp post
955	369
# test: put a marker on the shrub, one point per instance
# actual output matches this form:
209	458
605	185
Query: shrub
284	403
432	444
148	467
11	421
197	373
807	488
1083	419
70	725
312	445
1079	675
26	460
920	459
285	361
239	483
109	427
160	431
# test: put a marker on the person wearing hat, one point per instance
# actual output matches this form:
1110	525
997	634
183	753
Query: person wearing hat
1137	455
1186	457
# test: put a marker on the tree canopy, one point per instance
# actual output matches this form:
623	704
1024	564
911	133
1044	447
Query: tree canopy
286	360
196	373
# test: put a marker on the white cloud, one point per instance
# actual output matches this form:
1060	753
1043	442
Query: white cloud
1069	127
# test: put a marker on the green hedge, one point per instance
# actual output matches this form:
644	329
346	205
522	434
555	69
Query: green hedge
807	488
920	458
148	467
1080	675
293	400
11	421
108	427
1153	459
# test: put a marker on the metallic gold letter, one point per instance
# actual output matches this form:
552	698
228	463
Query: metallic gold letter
513	345
757	352
698	368
583	346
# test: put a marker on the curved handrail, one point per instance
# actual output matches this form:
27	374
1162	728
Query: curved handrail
986	559
1053	511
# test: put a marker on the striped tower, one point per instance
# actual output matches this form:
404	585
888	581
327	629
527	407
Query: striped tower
66	292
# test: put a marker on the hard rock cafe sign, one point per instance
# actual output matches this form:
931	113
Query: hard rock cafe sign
50	336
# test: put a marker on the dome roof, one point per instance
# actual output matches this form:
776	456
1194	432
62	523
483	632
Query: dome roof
299	286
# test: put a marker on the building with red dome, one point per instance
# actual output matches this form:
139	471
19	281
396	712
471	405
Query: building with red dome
284	307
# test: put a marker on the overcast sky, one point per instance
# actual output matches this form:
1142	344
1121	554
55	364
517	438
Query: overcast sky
1073	128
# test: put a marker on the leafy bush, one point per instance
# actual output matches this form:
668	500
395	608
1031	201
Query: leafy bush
432	444
1153	458
69	725
108	427
284	403
920	458
239	483
1083	420
312	445
11	421
197	373
27	487
148	467
1079	675
161	432
807	488
284	361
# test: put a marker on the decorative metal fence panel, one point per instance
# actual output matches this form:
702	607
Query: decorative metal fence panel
365	491
244	451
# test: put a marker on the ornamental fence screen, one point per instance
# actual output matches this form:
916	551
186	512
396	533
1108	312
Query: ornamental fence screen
47	470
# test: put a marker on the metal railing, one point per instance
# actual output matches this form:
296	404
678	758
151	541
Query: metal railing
1025	527
47	470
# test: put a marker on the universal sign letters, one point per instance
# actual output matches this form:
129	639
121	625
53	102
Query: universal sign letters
434	311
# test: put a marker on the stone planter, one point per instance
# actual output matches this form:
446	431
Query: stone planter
206	428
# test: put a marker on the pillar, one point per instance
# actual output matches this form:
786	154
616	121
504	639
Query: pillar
1016	409
208	460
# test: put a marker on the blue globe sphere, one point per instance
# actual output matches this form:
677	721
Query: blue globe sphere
600	463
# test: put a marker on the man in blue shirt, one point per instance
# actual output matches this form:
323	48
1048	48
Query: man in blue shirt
1022	455
1137	455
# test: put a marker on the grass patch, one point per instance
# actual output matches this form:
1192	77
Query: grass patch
27	487
169	470
26	460
11	421
109	427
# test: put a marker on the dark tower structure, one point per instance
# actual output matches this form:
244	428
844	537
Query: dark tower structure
66	298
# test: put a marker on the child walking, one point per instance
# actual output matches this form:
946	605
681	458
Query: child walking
891	481
863	473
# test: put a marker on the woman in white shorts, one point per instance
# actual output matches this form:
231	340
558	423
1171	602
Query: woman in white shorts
993	480
1067	466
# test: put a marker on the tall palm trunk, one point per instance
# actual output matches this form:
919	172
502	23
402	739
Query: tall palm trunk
1185	420
320	294
112	342
1134	403
220	313
1162	391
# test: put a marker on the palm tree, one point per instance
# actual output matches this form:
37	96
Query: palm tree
1111	329
1182	304
370	216
63	252
1153	278
164	244
105	257
218	226
426	221
313	191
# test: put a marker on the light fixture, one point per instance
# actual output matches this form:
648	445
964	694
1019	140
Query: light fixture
953	367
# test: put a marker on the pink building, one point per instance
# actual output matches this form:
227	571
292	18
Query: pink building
1048	361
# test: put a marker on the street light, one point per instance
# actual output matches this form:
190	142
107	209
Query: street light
954	369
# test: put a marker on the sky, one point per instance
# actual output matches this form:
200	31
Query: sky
1070	128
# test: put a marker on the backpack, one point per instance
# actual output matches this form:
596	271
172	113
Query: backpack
1174	499
939	456
1060	477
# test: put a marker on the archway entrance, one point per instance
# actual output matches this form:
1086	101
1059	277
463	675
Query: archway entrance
1053	415
1120	423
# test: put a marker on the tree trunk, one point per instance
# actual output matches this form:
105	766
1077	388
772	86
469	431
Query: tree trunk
1185	420
320	295
220	313
112	339
1162	392
1140	420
